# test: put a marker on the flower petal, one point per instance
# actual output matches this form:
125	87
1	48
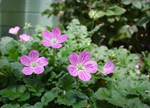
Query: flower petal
56	45
24	37
109	65
14	30
17	28
72	70
34	55
108	68
25	60
39	70
46	43
106	72
27	70
84	76
56	32
73	58
84	57
47	34
91	66
42	61
62	39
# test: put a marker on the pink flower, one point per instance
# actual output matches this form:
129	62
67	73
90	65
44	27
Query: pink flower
108	68
54	38
81	66
14	30
137	66
24	37
33	64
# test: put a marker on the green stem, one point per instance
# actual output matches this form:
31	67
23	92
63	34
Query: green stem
17	37
30	32
34	76
54	55
77	81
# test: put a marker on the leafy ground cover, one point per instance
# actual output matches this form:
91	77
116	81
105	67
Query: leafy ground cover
125	85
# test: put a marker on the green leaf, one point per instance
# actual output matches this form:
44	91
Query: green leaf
115	95
36	105
67	99
125	32
94	14
13	92
111	96
136	103
81	95
117	10
4	62
102	94
8	46
6	77
61	27
50	95
48	28
76	31
34	86
122	55
111	20
66	82
100	104
137	4
99	14
26	106
110	13
24	97
144	20
81	104
6	43
16	68
12	105
126	2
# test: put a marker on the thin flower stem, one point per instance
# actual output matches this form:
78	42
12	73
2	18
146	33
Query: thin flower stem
17	37
34	76
54	55
77	81
30	31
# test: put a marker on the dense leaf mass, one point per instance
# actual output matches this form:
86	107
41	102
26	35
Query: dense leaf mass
128	86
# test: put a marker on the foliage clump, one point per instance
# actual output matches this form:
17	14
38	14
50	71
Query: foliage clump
127	86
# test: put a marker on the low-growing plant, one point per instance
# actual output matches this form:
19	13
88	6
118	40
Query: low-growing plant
55	68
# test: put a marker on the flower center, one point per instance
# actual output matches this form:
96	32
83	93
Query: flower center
53	40
33	64
80	66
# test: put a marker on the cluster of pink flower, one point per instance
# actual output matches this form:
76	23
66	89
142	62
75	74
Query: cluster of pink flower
81	65
22	37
